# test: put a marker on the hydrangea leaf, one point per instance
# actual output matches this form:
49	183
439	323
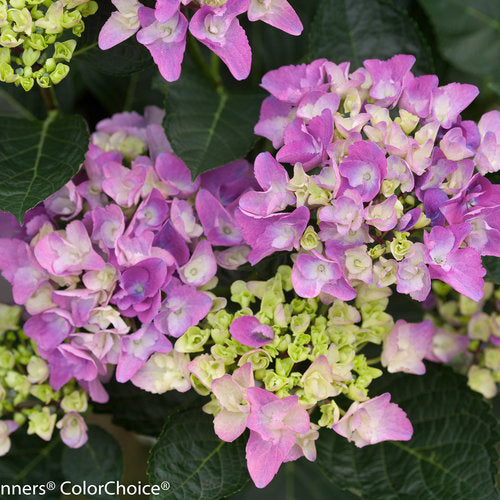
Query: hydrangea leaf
98	461
468	33
273	48
37	158
451	455
195	462
11	106
32	461
492	266
124	59
143	412
296	481
207	127
366	29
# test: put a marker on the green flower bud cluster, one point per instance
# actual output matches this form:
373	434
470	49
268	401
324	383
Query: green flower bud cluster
25	394
316	350
468	335
29	32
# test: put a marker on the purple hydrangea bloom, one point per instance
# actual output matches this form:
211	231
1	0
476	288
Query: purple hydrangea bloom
140	289
364	169
273	233
137	348
184	307
315	274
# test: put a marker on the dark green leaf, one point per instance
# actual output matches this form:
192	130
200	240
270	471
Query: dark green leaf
32	461
468	32
272	48
492	266
140	411
296	481
353	31
451	455
125	58
98	461
37	158
209	128
195	462
11	106
495	87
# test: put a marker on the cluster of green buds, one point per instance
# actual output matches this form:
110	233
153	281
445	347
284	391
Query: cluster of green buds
29	34
316	352
468	335
26	398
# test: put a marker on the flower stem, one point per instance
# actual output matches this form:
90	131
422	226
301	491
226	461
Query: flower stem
50	99
211	72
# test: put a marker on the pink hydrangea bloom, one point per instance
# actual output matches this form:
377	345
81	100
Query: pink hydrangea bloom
73	430
364	169
137	348
373	421
184	307
274	424
219	29
70	253
165	40
277	13
21	269
314	274
273	179
249	331
122	24
406	346
230	391
461	268
273	233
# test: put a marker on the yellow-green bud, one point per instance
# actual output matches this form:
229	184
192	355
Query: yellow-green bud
64	50
400	245
441	288
275	382
9	317
240	294
284	366
310	239
75	401
377	251
330	414
7	73
59	73
467	306
38	370
43	392
259	358
407	121
298	353
479	327
193	340
389	186
30	57
481	380
41	423
300	323
492	358
423	221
